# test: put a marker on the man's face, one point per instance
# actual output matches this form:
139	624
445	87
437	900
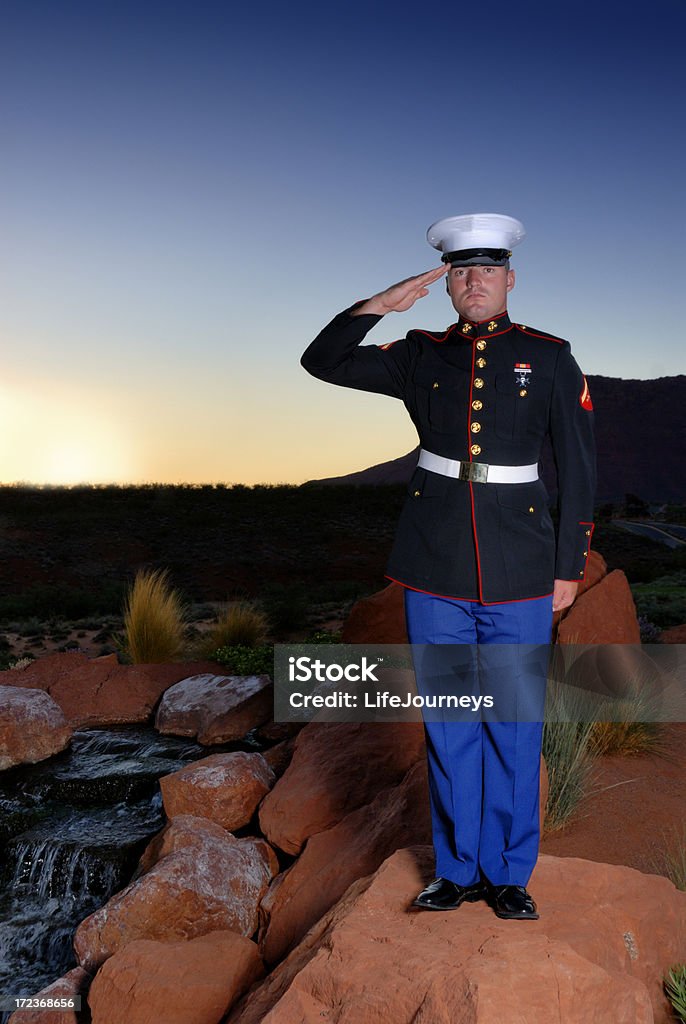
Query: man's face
478	293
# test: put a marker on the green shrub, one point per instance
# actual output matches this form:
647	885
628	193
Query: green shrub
675	987
568	755
247	661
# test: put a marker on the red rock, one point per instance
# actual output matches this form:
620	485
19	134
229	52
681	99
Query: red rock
187	831
215	709
32	726
604	614
675	635
604	938
379	619
74	983
226	788
596	569
209	882
279	756
192	982
99	691
336	767
332	860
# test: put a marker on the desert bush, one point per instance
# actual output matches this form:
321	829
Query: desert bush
675	987
662	600
632	736
154	620
674	858
287	606
247	661
240	624
568	755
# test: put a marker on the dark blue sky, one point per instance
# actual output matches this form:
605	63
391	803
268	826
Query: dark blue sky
191	190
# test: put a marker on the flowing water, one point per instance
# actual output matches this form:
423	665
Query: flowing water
71	831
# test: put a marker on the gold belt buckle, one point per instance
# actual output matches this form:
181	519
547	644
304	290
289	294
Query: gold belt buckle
476	472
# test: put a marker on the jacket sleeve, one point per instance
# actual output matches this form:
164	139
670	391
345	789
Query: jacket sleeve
337	357
571	432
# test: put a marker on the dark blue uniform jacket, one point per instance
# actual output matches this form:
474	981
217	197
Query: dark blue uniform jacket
480	392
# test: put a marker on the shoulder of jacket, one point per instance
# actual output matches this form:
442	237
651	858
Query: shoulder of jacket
534	332
437	337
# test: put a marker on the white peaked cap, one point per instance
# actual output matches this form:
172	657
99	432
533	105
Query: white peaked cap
475	231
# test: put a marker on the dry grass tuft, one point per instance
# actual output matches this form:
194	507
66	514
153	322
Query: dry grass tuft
154	619
241	624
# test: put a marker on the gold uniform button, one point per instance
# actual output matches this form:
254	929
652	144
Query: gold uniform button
417	493
588	533
435	384
585	553
523	393
481	362
481	344
475	428
581	572
478	383
531	508
475	449
477	404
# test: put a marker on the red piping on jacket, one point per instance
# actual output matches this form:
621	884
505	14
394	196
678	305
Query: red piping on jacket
471	486
472	600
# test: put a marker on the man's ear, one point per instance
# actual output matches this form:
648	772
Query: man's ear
510	280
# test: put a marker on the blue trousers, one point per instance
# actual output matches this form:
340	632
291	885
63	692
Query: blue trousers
484	776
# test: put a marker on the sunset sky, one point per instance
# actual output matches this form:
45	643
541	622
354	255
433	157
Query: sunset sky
190	191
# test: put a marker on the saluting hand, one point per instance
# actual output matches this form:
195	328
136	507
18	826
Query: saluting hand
401	296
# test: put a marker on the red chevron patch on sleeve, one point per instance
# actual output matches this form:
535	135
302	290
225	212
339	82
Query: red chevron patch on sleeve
585	397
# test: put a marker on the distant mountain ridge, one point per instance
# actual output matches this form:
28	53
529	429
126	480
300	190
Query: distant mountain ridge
640	428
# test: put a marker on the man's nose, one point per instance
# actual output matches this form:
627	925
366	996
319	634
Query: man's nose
473	277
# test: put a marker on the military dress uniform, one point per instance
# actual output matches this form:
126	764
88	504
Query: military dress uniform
481	394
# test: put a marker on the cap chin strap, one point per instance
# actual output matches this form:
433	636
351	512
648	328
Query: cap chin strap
483	257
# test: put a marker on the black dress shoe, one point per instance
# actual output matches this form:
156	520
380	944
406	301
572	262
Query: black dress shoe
442	894
512	901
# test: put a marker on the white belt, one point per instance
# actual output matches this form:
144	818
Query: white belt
480	472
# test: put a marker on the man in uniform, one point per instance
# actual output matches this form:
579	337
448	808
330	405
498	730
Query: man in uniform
475	547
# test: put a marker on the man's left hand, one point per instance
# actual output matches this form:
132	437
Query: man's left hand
564	592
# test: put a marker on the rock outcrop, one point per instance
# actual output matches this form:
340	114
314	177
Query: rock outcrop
32	726
224	788
604	938
192	982
206	881
215	709
336	767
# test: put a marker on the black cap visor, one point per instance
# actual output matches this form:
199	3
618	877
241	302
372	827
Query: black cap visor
477	257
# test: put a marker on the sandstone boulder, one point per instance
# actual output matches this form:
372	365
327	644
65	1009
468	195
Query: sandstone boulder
189	832
604	614
99	691
604	938
335	768
332	860
192	982
212	883
379	619
215	709
74	983
226	788
32	726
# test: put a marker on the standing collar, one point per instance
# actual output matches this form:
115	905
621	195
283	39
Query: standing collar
484	328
